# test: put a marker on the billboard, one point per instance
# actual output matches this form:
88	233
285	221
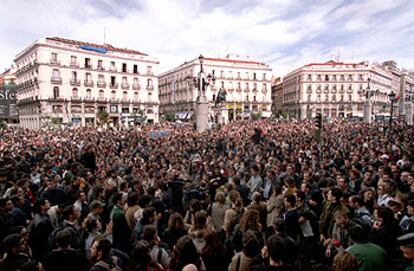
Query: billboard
8	102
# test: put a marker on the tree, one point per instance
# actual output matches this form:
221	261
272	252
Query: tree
256	116
3	124
102	116
169	116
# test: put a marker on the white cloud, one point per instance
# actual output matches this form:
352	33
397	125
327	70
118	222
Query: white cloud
287	34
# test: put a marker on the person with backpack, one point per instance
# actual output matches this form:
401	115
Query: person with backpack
70	224
101	252
251	249
158	254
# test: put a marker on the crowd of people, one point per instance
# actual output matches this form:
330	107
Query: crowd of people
250	195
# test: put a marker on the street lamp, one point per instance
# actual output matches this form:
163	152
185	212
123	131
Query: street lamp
201	82
391	96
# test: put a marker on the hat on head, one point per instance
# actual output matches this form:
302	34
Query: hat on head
96	203
406	240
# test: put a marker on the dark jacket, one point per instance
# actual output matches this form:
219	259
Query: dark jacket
40	230
64	260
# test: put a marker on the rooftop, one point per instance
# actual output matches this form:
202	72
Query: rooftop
100	46
330	63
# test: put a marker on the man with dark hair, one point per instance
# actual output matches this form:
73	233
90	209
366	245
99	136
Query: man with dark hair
70	224
370	256
275	250
6	206
64	257
40	229
361	212
132	208
330	206
291	246
291	216
14	259
120	230
256	182
149	216
18	216
158	254
101	253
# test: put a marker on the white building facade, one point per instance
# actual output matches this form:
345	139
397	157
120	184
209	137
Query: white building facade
247	83
336	89
68	82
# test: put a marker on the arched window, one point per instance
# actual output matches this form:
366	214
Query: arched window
55	92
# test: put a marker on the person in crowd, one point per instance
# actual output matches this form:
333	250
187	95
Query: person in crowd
64	257
251	249
158	254
101	255
176	229
275	205
370	256
218	210
120	230
345	261
185	255
14	258
340	235
40	229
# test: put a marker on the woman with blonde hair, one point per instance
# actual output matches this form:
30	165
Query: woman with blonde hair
345	261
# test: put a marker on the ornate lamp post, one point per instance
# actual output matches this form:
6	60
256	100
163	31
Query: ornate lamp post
201	82
391	96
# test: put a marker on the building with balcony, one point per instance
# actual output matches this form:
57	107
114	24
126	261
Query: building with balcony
337	89
247	83
8	109
277	96
69	81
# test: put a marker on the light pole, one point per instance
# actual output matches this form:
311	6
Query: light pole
409	107
391	96
201	82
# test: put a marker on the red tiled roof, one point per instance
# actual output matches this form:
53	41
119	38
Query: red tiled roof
232	61
329	63
103	46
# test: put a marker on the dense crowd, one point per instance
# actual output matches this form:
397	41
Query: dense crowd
250	195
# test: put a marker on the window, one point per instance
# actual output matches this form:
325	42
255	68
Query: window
342	87
135	81
334	77
149	82
125	95
136	95
264	87
222	85
309	77
101	94
100	67
349	87
222	74
88	93
360	77
73	60
254	98
264	76
238	85
124	80
350	77
113	81
113	94
349	97
309	97
54	57
333	98
319	87
74	76
254	86
87	63
247	98
135	68
214	97
55	92
342	77
101	78
55	73
149	70
238	75
326	77
247	75
319	78
318	98
230	74
124	67
254	76
75	93
88	77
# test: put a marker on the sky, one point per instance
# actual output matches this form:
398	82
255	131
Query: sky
286	34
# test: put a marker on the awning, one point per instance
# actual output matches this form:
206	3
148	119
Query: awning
266	114
183	115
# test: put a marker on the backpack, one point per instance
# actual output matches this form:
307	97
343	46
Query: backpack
75	242
110	267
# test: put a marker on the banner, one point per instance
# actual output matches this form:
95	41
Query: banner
159	134
8	106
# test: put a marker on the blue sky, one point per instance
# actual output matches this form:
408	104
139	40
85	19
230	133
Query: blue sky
286	34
